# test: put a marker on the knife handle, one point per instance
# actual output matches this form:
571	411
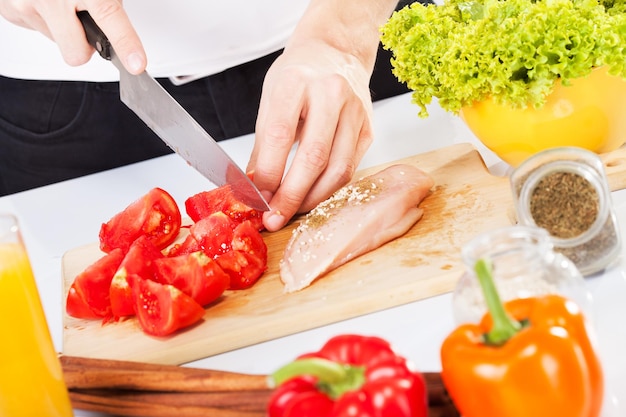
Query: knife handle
95	36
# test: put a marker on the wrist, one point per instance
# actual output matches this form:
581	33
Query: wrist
351	27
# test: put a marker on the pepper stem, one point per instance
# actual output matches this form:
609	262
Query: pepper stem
504	326
332	378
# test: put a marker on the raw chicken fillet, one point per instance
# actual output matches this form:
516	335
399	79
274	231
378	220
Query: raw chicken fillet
358	218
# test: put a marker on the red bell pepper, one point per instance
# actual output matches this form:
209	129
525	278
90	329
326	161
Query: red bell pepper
351	375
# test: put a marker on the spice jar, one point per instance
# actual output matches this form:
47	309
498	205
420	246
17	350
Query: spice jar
524	265
564	190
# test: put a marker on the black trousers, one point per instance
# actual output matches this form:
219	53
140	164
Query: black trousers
52	131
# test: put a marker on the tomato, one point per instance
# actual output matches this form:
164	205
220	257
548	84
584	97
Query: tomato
224	250
162	308
243	268
195	274
222	199
88	296
213	235
247	239
247	259
155	215
239	249
139	260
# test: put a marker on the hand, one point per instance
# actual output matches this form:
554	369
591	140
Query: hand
318	96
57	20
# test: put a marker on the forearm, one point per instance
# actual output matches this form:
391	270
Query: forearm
351	26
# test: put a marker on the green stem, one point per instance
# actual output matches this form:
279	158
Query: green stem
504	326
332	378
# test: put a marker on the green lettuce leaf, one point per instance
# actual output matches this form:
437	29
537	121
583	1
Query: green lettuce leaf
514	51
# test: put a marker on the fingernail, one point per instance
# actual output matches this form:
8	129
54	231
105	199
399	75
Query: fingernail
274	221
135	62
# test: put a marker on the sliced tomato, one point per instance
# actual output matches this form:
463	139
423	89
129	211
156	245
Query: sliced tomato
195	274
162	308
88	297
213	235
243	268
247	239
203	204
139	260
155	215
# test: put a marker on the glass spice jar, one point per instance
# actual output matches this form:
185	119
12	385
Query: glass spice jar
565	191
524	265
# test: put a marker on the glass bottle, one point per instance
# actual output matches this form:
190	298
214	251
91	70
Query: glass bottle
31	376
524	265
565	191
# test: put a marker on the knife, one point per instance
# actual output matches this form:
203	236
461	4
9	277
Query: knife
171	122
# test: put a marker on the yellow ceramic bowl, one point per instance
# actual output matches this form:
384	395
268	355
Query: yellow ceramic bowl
591	114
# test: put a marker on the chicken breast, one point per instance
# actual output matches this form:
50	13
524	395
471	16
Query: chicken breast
356	219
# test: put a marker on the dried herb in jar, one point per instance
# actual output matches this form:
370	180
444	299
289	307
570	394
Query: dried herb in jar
564	190
565	204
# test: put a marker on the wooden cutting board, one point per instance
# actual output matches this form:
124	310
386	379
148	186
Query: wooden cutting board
466	200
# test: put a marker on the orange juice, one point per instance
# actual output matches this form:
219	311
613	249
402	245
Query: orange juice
31	377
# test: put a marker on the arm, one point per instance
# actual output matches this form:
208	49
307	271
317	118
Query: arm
57	20
317	94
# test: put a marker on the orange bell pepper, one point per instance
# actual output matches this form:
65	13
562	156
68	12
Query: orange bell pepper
529	357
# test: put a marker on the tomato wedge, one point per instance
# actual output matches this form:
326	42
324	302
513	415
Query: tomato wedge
139	260
247	239
212	235
162	308
195	274
222	199
88	297
155	215
243	268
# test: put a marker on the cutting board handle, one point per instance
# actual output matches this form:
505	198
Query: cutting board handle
615	166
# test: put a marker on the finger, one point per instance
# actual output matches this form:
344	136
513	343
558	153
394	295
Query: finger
352	138
64	28
110	16
26	15
278	124
310	160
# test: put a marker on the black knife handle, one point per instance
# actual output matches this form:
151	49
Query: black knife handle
95	36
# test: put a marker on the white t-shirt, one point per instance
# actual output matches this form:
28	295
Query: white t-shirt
181	38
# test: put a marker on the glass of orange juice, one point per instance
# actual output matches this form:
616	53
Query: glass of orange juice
31	377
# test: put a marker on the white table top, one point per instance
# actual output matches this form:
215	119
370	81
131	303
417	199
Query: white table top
63	216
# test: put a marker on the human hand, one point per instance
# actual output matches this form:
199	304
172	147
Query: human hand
58	21
318	96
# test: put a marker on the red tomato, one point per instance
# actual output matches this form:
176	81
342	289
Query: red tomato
88	296
244	269
195	274
247	239
239	249
162	308
213	235
155	215
222	199
139	260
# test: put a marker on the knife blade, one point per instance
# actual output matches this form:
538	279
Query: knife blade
171	122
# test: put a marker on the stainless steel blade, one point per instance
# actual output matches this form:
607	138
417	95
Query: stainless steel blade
171	122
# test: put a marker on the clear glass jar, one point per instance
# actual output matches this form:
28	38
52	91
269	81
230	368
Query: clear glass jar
524	265
565	191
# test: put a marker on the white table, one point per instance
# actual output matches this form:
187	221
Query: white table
63	216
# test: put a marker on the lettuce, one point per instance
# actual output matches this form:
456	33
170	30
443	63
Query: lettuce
510	50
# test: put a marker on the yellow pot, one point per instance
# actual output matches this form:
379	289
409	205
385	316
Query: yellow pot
590	114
